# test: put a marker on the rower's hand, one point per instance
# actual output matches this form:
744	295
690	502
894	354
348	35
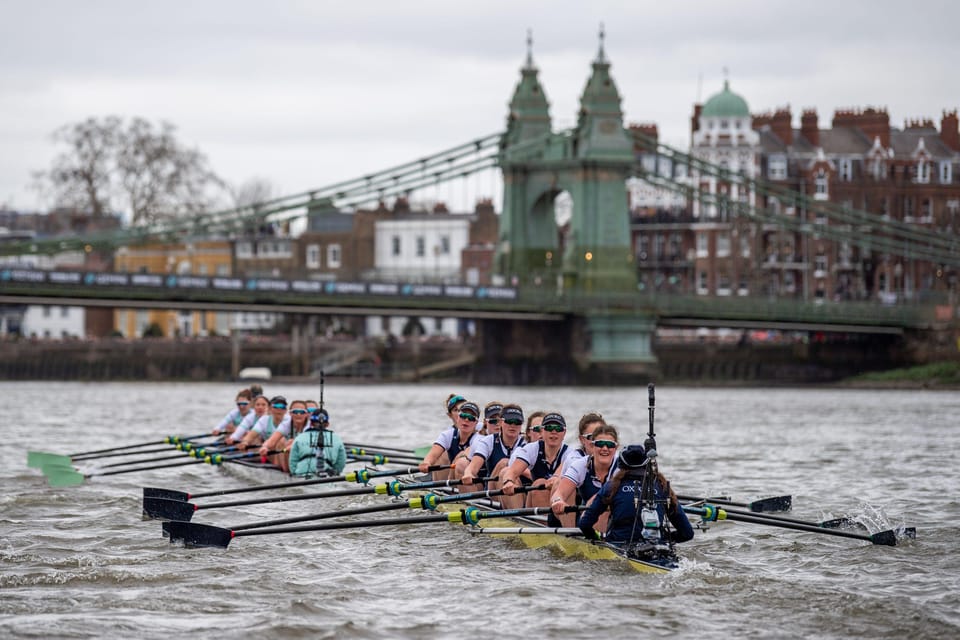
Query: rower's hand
557	505
423	466
467	479
509	487
264	450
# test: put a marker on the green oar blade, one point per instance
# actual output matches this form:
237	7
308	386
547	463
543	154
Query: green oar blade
165	509
195	534
63	476
420	452
37	459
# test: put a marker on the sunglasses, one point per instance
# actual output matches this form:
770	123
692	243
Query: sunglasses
536	428
298	412
469	417
493	420
555	428
279	406
605	444
242	404
515	423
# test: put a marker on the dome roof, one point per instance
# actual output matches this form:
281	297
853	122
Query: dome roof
725	104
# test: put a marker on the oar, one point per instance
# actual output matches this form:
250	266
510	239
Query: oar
179	530
561	531
835	523
778	503
711	513
38	458
378	459
211	536
164	509
66	477
375	448
363	476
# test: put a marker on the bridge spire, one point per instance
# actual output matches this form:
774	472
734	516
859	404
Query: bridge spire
529	49
600	54
529	115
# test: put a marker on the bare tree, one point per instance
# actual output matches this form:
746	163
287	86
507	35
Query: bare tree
109	165
251	192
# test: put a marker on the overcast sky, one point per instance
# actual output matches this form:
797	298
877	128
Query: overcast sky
307	93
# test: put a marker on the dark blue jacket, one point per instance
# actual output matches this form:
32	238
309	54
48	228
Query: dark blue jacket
624	523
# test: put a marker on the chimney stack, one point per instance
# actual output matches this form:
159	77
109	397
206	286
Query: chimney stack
809	128
949	130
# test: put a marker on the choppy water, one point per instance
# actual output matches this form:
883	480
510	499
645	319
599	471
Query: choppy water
79	562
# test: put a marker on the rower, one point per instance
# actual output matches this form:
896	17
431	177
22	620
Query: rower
452	442
268	423
641	503
277	446
260	407
491	418
318	450
544	459
583	477
235	416
489	455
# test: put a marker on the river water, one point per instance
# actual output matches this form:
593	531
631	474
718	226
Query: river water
80	562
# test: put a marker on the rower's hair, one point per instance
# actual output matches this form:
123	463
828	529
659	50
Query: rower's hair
532	417
606	429
245	394
256	390
293	402
588	419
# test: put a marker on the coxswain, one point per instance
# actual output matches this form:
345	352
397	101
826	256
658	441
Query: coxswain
318	450
641	503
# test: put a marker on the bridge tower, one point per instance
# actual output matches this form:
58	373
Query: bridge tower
592	256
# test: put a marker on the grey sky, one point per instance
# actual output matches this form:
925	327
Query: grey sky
308	93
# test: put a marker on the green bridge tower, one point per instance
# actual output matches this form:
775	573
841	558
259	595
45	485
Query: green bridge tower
593	255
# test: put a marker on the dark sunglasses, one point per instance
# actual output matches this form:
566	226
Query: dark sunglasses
493	420
555	428
242	404
298	412
536	428
279	406
515	423
605	444
469	417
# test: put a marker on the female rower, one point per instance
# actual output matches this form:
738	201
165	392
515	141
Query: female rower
629	511
236	416
260	406
452	442
318	451
282	439
585	428
491	418
544	459
583	477
534	420
489	455
268	423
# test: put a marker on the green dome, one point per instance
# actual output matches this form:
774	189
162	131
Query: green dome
726	104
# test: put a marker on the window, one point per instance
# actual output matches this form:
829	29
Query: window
444	245
244	250
702	282
723	244
907	209
777	168
745	246
395	245
946	172
923	171
926	210
421	246
846	169
702	245
333	256
643	247
202	269
820	265
821	189
723	284
46	312
64	312
313	256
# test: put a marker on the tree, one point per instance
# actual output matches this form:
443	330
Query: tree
111	165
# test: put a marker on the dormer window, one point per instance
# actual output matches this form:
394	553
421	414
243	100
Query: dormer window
777	168
723	124
821	185
846	169
946	172
923	171
878	169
